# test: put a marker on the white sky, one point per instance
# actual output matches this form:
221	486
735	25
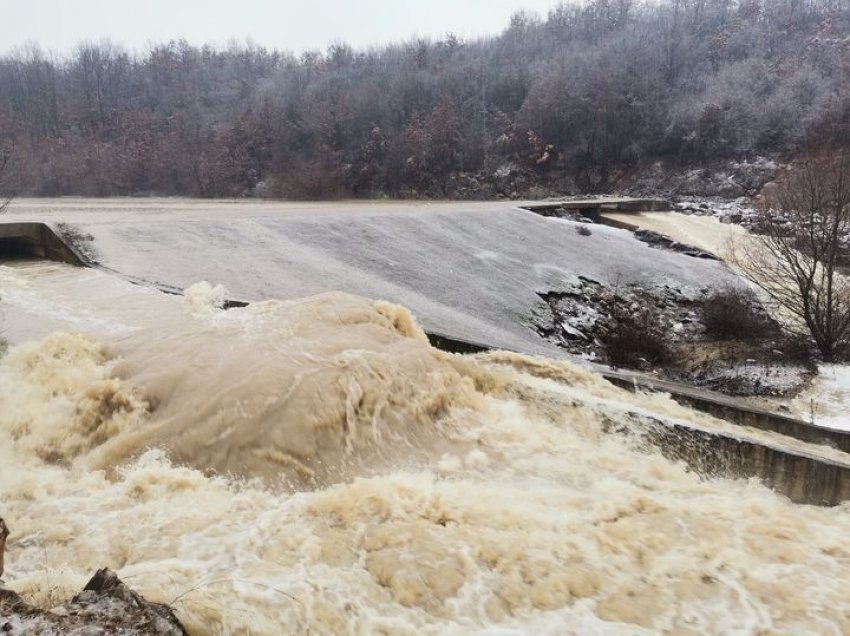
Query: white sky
293	25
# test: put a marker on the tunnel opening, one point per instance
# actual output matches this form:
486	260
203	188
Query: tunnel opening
35	240
17	248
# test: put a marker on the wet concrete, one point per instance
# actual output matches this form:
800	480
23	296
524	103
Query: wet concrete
734	410
803	478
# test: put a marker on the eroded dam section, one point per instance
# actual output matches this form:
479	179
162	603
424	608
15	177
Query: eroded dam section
379	254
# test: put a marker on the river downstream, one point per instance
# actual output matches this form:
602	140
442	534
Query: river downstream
314	465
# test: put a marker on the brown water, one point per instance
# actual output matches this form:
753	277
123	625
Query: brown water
315	466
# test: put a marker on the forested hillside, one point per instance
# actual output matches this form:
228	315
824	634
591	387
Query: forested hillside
580	100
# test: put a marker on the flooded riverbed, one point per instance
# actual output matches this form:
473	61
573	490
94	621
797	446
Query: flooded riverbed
313	465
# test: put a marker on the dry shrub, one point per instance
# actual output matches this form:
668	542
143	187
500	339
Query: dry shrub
796	348
734	313
637	338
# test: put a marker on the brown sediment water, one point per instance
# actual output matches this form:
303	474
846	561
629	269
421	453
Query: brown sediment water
315	466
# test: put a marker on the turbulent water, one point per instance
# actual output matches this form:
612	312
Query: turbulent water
314	466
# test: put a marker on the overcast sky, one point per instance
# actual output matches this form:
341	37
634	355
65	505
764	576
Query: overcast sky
294	25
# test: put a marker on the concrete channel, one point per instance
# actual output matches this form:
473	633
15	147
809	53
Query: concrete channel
594	209
37	240
802	477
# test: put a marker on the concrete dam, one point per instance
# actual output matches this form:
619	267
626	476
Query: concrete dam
470	273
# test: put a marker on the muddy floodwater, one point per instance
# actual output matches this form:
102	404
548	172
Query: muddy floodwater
312	465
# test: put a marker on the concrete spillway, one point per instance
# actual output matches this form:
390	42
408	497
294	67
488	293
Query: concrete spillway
470	272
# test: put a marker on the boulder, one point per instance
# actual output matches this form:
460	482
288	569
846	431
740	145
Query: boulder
104	606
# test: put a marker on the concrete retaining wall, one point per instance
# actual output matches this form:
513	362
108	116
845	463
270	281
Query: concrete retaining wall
594	209
802	478
732	410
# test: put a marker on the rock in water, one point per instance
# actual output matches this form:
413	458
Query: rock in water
105	606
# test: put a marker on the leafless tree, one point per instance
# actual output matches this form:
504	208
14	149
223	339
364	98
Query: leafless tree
582	99
799	256
6	190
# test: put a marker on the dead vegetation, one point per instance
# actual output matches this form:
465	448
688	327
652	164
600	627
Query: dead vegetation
799	254
721	339
7	190
735	313
637	339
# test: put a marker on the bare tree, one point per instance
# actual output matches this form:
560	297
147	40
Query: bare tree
605	87
799	256
6	190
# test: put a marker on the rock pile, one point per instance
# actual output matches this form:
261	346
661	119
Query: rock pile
579	315
104	606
